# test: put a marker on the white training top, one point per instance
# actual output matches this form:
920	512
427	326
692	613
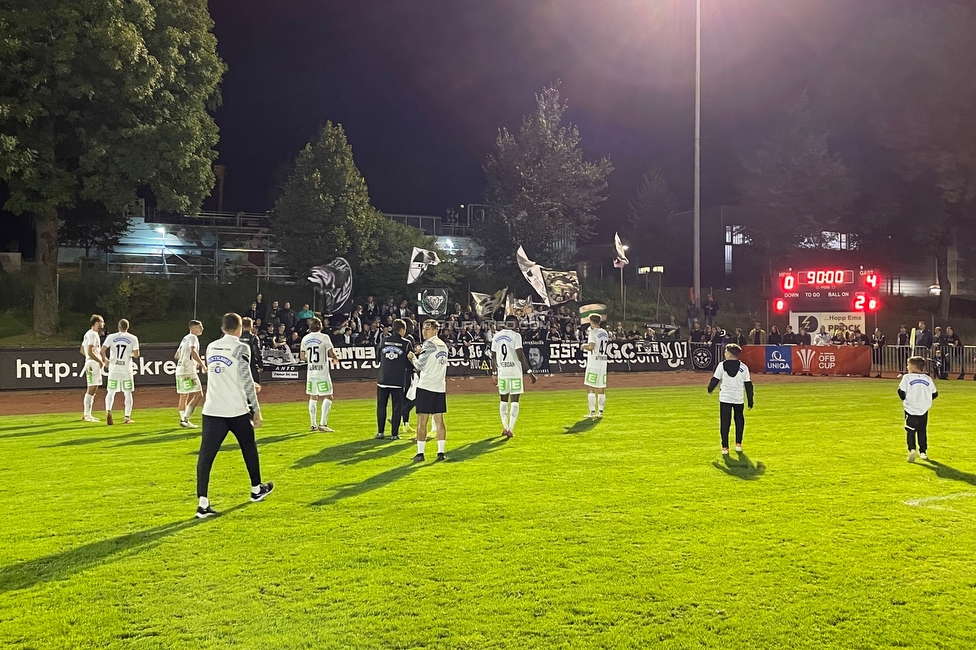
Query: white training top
733	387
91	338
598	356
185	365
504	346
432	365
230	389
919	389
316	346
120	346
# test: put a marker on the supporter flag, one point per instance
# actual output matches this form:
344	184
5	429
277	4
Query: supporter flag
486	304
420	260
593	308
433	302
621	261
333	281
561	286
518	307
533	274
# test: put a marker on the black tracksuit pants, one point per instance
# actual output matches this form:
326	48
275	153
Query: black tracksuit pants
916	426
726	414
384	395
215	429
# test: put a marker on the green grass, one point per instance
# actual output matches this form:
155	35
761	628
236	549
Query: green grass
629	533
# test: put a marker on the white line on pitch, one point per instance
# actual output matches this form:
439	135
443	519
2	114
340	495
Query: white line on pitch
947	497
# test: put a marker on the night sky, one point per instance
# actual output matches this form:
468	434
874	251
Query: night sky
422	86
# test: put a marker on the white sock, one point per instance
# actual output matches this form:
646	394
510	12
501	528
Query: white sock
591	400
204	502
182	415
128	404
189	411
441	445
420	446
513	415
602	397
255	488
503	411
326	407
89	401
311	410
109	400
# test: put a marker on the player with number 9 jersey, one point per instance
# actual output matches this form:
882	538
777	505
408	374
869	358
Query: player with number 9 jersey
504	348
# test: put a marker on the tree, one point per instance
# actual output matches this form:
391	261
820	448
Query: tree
541	190
324	209
90	225
649	215
98	99
908	82
795	189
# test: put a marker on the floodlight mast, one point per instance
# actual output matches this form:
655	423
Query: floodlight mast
697	209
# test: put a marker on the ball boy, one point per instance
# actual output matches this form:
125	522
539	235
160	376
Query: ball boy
736	384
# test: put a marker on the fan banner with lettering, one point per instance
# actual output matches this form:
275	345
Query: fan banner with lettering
333	282
420	260
561	286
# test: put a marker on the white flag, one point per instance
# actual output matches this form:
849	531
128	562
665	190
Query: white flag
621	260
419	261
532	273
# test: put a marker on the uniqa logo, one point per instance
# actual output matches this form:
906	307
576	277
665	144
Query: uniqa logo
806	357
776	356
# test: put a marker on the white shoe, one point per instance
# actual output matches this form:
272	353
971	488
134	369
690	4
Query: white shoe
725	451
89	418
600	414
325	428
589	416
923	456
912	455
738	447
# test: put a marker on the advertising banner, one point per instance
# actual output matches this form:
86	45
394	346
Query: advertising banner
43	368
809	360
832	320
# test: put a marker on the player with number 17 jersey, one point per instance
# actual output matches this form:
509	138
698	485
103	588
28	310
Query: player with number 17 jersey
596	358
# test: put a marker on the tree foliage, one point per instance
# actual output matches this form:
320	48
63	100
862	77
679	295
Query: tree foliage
908	82
650	215
795	189
324	209
97	99
90	225
541	189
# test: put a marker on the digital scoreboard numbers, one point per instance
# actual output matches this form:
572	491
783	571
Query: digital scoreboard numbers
833	289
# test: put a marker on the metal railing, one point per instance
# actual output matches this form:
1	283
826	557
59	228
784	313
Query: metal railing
945	362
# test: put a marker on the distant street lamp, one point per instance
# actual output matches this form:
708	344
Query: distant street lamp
623	297
162	247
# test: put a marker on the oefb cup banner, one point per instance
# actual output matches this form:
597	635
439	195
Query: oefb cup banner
809	359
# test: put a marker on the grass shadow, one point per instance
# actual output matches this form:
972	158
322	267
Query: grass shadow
76	442
336	453
20	429
950	473
372	483
162	437
584	425
742	467
60	566
475	449
377	451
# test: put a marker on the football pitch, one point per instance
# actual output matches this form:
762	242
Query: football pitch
630	532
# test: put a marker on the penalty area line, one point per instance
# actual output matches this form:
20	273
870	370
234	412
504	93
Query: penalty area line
948	497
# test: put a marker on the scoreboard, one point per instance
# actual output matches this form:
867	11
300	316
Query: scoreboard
828	290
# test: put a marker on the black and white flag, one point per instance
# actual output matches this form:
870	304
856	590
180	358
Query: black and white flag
333	282
561	286
420	260
486	304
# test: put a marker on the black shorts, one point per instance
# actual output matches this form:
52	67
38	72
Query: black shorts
430	402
